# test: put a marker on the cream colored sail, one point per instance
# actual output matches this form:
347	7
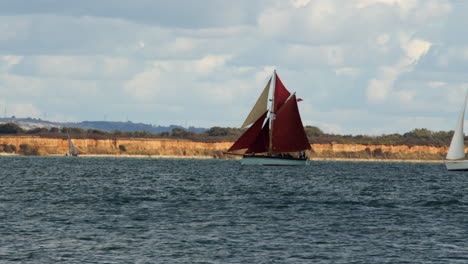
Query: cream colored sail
260	107
71	148
457	146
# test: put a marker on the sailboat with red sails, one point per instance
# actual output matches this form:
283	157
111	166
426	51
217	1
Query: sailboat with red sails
276	135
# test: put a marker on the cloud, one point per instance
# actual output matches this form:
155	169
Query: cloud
19	109
190	81
208	64
8	61
405	6
300	3
75	67
144	86
175	13
379	88
348	71
26	86
383	39
355	60
26	110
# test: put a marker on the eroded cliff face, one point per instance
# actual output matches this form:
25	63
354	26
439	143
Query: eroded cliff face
52	146
170	147
360	151
403	149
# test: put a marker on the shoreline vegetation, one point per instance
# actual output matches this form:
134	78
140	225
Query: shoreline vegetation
419	145
210	157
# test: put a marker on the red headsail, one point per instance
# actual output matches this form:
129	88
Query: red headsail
262	141
250	136
288	134
281	93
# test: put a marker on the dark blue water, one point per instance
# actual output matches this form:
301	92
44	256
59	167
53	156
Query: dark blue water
105	210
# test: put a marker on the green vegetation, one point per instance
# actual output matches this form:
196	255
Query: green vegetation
122	148
10	128
416	137
25	149
7	148
420	136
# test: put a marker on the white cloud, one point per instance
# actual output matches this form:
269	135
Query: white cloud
190	80
209	64
8	61
183	45
78	67
379	88
115	66
405	96
338	54
300	3
24	110
145	85
264	74
415	49
65	66
432	9
456	95
225	92
274	22
405	6
383	39
18	109
348	71
21	85
435	84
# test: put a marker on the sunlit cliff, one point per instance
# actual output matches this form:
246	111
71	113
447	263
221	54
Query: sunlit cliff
185	148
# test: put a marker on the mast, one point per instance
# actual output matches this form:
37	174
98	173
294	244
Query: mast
272	111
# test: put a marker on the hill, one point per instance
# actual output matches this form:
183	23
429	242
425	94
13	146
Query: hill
32	123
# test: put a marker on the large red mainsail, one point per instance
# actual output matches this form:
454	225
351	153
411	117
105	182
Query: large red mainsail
250	136
281	94
288	134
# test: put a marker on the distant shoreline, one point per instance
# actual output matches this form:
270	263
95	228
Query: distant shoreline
210	157
377	160
184	149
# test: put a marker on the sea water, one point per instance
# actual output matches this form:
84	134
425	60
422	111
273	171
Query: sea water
124	210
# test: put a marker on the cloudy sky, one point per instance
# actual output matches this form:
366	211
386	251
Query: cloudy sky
361	66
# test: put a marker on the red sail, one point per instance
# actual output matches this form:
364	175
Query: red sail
250	136
289	134
281	93
263	140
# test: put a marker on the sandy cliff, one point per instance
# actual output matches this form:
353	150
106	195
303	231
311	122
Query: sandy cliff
153	147
171	147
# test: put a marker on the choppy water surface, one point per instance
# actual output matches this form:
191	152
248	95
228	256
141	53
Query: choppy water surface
105	210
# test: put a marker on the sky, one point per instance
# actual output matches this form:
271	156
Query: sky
361	66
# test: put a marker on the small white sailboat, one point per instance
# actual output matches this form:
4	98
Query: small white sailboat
455	159
276	135
72	151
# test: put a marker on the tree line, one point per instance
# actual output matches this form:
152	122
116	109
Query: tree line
419	136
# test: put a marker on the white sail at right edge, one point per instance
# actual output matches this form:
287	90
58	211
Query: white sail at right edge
457	146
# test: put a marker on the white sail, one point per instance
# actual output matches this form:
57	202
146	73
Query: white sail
457	146
71	148
260	107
